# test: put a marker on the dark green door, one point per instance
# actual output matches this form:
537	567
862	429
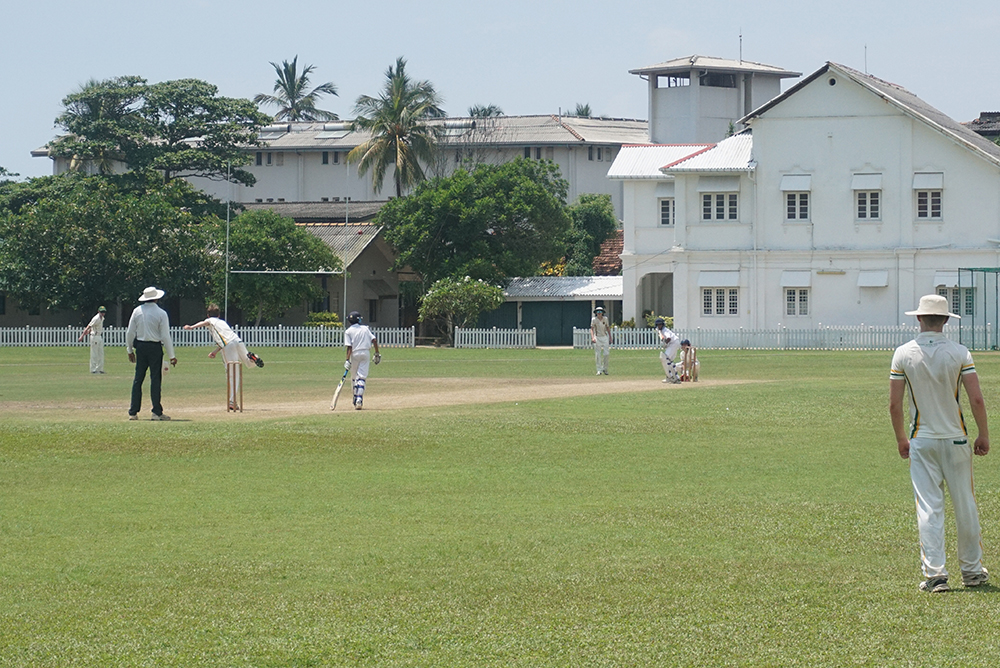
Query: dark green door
554	321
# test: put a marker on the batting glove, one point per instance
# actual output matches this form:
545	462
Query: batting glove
347	365
378	358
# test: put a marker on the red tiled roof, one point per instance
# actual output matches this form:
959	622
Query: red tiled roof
609	261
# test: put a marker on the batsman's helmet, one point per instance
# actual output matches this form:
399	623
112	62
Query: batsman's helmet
658	322
354	317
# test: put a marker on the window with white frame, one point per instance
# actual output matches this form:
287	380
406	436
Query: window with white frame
929	204
720	301
719	206
796	301
667	211
869	204
960	300
796	206
867	197
796	189
928	193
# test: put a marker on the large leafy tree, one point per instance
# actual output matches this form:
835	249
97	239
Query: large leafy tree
74	241
401	136
292	96
594	221
267	241
497	222
173	129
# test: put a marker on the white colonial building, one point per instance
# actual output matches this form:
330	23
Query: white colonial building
843	200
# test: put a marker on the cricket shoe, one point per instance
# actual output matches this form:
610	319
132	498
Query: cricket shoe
160	417
256	360
357	405
133	417
935	585
975	579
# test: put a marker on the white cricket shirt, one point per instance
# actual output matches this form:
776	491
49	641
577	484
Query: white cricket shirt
933	366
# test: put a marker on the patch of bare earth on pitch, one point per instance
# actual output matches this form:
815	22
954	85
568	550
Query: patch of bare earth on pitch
382	395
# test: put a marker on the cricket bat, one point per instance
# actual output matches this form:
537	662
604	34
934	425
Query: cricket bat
336	393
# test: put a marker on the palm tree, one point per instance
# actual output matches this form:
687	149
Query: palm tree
485	111
291	98
582	110
400	134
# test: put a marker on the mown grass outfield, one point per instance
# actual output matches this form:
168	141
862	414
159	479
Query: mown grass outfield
763	522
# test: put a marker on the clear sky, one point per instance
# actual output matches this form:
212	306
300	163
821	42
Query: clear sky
527	56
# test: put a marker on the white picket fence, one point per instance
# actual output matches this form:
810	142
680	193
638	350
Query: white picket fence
259	337
825	338
494	338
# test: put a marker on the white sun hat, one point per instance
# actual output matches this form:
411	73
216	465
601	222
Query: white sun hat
151	293
933	305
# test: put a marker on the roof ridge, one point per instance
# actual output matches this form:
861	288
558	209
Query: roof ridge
559	119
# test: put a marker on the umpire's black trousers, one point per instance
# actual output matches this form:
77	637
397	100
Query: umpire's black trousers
148	355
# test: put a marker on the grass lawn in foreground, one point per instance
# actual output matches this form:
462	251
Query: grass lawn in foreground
751	524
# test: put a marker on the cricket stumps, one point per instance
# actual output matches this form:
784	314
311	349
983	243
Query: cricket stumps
234	386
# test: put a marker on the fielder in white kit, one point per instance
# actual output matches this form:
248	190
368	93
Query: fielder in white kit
96	331
934	370
671	344
359	341
600	336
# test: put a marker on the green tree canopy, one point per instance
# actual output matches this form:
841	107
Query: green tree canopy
459	302
292	96
401	137
174	128
74	241
594	221
266	241
497	222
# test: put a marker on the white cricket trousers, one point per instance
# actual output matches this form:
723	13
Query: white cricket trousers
235	351
96	353
360	362
669	367
935	462
602	350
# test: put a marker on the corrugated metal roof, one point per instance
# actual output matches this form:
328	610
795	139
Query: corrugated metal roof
346	241
565	288
321	212
646	161
548	129
684	65
730	154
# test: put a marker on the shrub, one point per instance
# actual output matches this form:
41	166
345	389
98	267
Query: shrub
323	319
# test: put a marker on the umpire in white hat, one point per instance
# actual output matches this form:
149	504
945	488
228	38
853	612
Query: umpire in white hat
935	370
147	335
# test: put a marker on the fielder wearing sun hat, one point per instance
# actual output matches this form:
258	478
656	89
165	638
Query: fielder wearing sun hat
933	305
101	309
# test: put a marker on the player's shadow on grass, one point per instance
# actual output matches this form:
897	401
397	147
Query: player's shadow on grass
985	588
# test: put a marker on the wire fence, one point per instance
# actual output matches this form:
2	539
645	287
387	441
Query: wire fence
276	337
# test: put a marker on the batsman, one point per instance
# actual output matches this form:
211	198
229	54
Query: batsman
359	341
